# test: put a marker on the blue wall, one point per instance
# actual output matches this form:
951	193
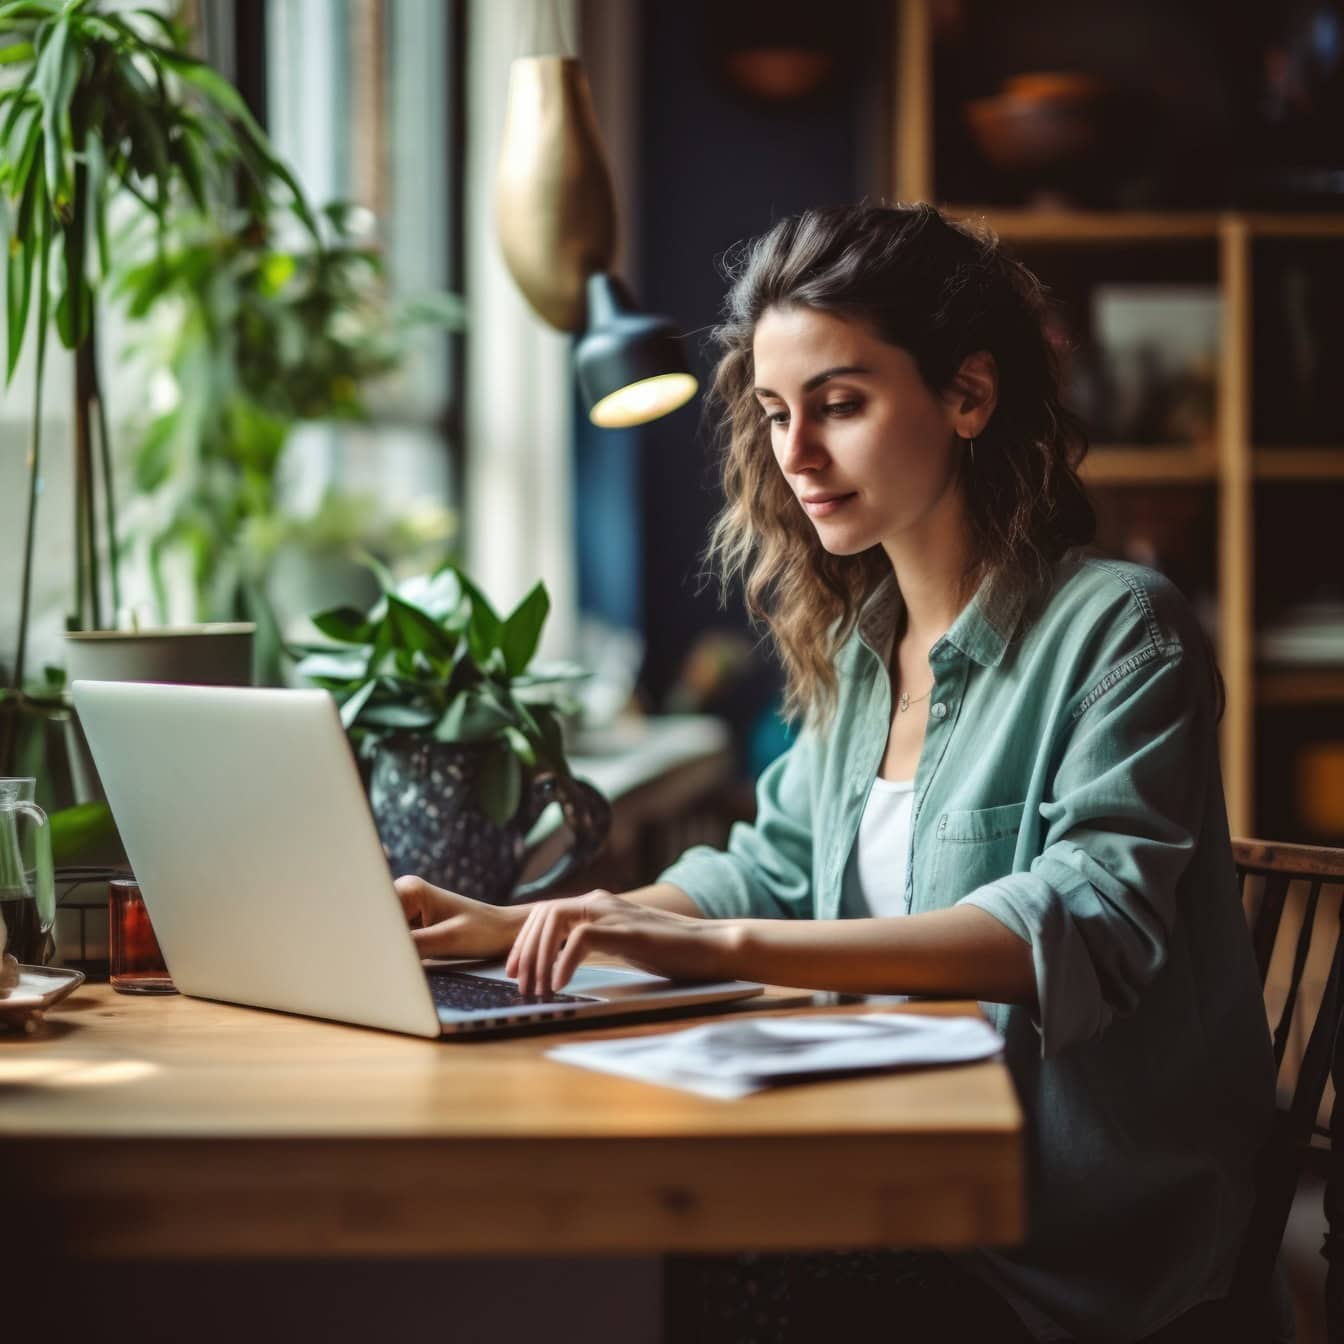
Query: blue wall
717	166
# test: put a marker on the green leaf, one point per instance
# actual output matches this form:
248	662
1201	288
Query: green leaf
520	746
439	595
470	718
183	152
211	83
18	296
252	139
31	138
351	707
22	101
499	787
29	9
345	624
485	629
397	716
16	52
552	740
346	667
413	630
382	647
172	31
76	830
385	577
550	673
54	83
149	152
522	630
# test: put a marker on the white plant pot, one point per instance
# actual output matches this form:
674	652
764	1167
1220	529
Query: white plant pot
195	655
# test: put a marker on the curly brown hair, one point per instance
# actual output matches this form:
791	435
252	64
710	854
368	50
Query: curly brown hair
940	290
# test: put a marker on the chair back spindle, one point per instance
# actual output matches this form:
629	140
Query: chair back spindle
1278	868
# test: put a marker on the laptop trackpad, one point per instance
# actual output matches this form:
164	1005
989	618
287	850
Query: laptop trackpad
585	980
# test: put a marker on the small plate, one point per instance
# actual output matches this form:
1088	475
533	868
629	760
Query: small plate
39	987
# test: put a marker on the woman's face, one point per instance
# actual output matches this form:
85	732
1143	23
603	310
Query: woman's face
869	452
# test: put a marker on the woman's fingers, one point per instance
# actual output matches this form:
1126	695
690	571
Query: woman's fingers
445	924
548	925
519	964
551	937
582	941
412	892
443	939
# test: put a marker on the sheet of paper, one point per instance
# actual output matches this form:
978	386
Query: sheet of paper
733	1059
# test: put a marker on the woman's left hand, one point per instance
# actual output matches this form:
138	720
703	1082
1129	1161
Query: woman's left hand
558	935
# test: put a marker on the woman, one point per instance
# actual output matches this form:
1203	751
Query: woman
1006	786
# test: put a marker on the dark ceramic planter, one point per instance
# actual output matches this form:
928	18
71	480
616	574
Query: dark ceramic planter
423	796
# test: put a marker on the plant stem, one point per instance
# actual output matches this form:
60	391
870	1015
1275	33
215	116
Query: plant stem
88	606
29	527
105	461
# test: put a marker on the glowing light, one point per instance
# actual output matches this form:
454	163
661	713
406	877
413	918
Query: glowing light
642	401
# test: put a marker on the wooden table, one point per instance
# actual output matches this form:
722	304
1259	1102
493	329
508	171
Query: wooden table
175	1127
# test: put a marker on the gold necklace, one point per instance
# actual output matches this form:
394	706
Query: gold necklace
906	701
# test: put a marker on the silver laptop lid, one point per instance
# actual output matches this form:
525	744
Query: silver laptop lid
247	828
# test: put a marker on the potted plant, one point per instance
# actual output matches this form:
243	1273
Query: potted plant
458	731
249	331
102	104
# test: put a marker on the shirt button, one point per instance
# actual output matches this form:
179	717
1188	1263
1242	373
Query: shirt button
939	711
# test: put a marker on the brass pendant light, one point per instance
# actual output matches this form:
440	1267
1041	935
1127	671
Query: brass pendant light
554	210
555	217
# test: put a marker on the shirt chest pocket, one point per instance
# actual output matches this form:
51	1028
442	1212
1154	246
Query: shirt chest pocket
973	848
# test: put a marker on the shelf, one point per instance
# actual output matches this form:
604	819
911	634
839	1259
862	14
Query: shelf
1300	686
1296	226
1131	226
1089	226
1298	464
1124	464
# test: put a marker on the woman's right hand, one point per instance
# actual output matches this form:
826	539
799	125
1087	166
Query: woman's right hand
445	924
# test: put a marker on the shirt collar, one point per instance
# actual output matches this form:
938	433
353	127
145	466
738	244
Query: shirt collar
982	630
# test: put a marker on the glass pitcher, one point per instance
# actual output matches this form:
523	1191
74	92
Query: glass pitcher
27	875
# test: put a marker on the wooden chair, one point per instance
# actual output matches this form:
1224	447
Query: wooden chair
1274	868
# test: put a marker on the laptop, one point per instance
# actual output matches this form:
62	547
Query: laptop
247	828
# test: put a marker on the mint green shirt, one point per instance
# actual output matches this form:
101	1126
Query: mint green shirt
1068	785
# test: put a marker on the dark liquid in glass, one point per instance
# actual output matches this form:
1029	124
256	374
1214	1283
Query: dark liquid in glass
25	940
137	965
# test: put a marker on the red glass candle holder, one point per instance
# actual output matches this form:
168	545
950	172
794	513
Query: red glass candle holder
136	964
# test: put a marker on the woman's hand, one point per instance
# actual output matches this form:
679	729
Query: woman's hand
557	935
445	924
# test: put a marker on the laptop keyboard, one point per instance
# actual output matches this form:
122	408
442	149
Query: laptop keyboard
470	993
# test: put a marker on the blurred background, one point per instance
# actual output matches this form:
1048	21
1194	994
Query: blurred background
1174	173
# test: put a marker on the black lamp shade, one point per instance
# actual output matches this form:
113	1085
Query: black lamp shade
631	365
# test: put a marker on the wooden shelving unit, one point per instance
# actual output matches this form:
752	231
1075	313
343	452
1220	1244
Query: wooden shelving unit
1119	464
1298	464
1305	686
1231	463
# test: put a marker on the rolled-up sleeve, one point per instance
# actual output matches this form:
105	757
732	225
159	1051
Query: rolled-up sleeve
765	872
1098	902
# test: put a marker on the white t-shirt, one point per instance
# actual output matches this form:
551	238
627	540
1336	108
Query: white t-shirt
874	882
